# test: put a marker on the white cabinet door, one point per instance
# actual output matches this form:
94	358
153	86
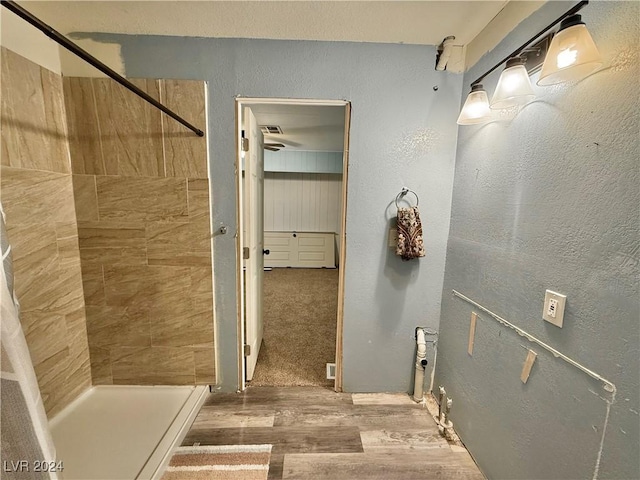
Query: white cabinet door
300	249
282	248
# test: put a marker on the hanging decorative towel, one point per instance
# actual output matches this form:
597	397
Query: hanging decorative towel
410	243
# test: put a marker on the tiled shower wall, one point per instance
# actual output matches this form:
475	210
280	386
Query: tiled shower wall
142	200
37	196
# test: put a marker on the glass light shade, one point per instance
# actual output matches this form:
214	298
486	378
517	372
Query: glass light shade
476	107
572	54
514	87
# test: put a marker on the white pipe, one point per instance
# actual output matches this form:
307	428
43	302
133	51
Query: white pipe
445	426
442	398
433	367
421	362
447	45
446	423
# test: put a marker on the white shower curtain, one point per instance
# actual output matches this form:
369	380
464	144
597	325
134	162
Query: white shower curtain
25	428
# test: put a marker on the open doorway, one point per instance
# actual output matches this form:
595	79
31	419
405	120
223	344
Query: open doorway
292	179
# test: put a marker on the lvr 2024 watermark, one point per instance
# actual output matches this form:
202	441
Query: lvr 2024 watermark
31	466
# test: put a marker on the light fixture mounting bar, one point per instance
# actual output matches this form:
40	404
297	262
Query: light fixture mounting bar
572	11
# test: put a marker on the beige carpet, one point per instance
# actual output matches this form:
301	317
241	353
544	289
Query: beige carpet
300	307
219	462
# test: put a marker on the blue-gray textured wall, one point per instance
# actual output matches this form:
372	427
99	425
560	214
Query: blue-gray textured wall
549	200
403	133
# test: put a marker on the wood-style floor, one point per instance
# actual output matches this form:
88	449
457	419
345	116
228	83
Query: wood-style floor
318	434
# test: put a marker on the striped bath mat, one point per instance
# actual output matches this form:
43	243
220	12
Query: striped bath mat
219	462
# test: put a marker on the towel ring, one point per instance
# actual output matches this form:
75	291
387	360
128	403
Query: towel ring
403	193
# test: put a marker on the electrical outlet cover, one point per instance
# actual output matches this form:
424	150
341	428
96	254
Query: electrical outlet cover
553	311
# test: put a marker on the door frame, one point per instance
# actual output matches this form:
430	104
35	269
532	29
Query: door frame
242	102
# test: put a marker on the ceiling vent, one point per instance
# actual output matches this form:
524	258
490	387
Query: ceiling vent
271	129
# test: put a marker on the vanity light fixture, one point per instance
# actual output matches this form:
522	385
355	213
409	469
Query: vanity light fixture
476	107
568	55
572	55
514	87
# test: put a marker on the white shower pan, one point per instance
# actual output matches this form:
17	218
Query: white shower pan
123	432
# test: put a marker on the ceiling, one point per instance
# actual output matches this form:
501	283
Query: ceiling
304	127
414	22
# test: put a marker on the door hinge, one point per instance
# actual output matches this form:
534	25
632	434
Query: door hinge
245	144
247	350
245	253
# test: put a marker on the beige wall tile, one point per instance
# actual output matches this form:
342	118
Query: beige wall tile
178	244
129	216
69	257
56	122
51	372
76	323
132	365
118	326
185	152
52	375
130	199
202	282
181	325
30	196
66	230
20	84
201	228
111	234
172	234
198	185
37	195
130	128
55	289
93	284
86	198
49	287
115	256
84	130
34	247
110	243
59	352
100	366
146	287
78	380
204	359
198	198
46	334
33	118
152	366
182	259
173	366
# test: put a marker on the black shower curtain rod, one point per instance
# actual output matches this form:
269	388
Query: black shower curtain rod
87	57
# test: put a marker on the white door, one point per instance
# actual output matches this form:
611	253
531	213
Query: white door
254	239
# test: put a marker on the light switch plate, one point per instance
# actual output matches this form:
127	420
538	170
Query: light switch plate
553	310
